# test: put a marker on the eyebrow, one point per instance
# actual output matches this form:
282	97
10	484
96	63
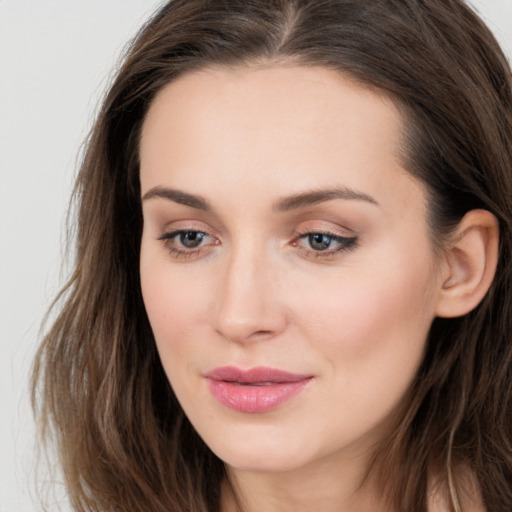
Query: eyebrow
178	197
314	197
294	202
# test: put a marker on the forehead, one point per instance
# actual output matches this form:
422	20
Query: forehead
284	126
312	97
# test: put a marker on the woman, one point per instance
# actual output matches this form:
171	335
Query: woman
292	288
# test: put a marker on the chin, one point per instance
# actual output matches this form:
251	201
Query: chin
265	452
262	462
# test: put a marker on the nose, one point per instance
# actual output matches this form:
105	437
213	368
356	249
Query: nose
247	307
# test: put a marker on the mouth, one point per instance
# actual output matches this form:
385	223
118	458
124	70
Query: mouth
255	390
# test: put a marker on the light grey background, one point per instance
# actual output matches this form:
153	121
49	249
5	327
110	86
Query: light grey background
55	60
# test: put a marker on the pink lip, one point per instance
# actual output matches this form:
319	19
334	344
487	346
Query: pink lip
255	390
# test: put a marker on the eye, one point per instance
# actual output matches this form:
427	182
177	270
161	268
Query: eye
186	242
320	241
190	239
318	244
187	239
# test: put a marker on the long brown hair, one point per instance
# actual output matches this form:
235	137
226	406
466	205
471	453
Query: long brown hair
98	386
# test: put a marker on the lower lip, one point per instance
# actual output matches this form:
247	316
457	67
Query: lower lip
255	398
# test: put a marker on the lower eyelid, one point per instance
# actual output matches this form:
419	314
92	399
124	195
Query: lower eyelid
179	251
342	243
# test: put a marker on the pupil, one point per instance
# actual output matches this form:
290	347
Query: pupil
191	239
319	242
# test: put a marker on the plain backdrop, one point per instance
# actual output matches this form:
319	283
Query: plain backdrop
56	57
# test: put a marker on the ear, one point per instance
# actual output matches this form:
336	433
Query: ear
470	264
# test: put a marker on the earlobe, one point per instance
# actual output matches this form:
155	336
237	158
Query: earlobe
471	261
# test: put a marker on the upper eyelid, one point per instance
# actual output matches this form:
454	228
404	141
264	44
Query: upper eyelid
172	233
325	223
184	226
320	231
337	237
177	231
339	231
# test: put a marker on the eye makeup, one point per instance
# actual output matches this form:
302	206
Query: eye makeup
188	243
323	244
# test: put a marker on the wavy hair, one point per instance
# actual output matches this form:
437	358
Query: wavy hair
99	390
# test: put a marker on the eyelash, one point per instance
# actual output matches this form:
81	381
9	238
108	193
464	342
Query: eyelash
345	244
182	252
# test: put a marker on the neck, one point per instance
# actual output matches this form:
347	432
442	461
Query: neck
326	487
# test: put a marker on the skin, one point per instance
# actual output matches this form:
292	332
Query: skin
256	293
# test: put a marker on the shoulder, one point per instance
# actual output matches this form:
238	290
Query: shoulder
468	495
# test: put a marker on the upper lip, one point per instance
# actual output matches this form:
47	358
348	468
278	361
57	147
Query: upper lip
256	375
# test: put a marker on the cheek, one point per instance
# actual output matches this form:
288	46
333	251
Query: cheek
175	307
371	336
371	312
388	289
372	327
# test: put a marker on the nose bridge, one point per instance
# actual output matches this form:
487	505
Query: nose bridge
246	306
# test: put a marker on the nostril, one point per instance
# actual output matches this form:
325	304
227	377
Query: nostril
251	328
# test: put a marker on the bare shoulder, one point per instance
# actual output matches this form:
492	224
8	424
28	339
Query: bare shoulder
468	495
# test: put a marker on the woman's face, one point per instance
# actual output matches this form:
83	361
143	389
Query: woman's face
286	263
